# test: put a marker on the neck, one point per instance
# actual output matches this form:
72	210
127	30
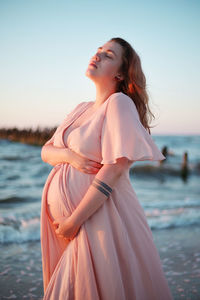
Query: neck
102	93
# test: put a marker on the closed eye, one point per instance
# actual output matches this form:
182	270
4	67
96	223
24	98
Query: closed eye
106	54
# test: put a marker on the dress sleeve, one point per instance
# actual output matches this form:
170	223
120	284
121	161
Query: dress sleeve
123	135
59	128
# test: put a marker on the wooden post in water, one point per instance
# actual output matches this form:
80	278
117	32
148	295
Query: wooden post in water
184	166
165	153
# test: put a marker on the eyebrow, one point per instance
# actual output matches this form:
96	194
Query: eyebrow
109	50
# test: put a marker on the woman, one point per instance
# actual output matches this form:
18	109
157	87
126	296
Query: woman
95	240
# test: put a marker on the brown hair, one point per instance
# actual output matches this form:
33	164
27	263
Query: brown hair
134	82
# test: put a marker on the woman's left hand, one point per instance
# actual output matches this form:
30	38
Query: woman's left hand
65	228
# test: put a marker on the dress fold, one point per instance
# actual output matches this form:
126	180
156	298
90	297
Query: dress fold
113	256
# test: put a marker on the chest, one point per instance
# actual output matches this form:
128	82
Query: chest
84	135
78	122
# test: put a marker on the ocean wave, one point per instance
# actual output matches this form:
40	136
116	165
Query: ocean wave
12	158
168	201
192	223
169	170
161	207
15	199
12	177
18	157
22	231
19	231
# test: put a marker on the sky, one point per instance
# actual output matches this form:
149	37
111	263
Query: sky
46	47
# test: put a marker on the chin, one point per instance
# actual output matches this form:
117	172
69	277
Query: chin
89	74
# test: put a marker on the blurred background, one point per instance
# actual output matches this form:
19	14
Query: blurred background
46	47
45	50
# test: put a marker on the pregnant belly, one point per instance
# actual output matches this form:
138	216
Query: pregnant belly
75	184
54	198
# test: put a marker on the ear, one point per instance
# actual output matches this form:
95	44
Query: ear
119	77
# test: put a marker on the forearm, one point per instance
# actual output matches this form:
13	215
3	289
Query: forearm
94	199
55	155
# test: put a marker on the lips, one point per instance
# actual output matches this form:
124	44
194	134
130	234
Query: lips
93	64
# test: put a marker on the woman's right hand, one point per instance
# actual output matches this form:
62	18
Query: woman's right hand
55	155
84	164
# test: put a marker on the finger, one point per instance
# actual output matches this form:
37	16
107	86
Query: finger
95	164
92	171
67	239
98	165
57	231
55	222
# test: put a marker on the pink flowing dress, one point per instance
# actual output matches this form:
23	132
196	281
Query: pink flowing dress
113	256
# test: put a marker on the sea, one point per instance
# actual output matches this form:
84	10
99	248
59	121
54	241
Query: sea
169	199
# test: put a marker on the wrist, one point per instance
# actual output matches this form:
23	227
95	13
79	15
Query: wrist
67	154
74	221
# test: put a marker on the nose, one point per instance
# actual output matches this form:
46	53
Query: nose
97	57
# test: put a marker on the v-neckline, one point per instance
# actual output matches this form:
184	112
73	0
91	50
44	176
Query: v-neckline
84	122
76	118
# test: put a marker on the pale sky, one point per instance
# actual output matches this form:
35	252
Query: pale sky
46	47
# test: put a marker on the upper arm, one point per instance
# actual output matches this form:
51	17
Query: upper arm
124	136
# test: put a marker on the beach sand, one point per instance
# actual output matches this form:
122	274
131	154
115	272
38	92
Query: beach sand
179	249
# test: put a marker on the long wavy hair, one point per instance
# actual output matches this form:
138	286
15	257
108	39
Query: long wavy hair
134	82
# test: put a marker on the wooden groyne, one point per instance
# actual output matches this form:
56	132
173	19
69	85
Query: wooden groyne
39	136
28	135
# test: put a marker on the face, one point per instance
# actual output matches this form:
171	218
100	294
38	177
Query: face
104	65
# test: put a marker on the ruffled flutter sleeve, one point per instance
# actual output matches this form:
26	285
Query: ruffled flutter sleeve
123	135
